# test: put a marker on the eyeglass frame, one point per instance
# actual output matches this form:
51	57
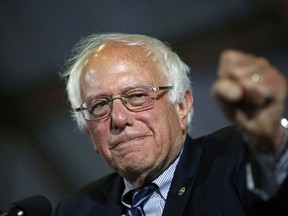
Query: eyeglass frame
121	96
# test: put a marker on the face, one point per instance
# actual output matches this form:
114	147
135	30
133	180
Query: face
138	145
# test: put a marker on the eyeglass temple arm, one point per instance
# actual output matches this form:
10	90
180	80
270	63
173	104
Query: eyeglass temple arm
163	88
79	109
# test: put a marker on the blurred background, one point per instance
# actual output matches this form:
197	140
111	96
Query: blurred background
41	149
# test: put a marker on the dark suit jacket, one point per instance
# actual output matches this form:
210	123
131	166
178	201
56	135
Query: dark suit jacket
211	172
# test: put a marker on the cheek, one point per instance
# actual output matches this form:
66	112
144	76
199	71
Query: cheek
159	123
151	119
99	134
168	124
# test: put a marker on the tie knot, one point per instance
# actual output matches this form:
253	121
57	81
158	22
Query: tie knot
139	197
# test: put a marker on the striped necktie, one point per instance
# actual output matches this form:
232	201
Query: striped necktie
139	198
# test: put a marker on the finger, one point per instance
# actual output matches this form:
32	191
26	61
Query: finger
256	92
232	98
259	80
232	62
227	90
238	65
265	86
227	95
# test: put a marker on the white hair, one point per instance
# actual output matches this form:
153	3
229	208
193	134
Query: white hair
175	70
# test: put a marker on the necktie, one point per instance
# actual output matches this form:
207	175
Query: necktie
139	198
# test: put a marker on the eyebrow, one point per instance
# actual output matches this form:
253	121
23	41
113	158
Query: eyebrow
122	91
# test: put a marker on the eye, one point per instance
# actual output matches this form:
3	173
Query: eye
137	97
98	105
137	94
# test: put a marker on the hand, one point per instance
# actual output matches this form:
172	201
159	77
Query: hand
252	94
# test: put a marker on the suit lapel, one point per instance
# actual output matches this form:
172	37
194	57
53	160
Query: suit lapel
113	192
184	179
110	204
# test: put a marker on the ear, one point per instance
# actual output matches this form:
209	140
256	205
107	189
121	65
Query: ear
183	109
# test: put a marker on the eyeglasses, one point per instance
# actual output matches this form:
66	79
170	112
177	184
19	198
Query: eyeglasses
134	99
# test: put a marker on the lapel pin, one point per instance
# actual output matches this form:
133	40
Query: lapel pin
181	191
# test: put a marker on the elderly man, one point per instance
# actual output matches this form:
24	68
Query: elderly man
132	95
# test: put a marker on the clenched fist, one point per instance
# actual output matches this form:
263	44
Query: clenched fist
252	94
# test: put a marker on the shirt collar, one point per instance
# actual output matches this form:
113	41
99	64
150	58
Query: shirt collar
163	181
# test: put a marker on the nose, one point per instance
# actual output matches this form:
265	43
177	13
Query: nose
120	116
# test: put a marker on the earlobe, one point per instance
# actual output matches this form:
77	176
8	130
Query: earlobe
183	108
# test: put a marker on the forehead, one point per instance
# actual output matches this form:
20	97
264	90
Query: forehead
115	53
118	64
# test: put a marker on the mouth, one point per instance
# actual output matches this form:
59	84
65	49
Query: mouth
117	142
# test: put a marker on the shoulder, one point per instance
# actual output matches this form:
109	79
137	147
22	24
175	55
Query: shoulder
97	188
100	188
226	133
224	147
92	197
223	140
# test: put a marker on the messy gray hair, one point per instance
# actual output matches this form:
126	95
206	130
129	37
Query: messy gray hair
175	70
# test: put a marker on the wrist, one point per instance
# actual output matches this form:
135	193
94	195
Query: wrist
273	145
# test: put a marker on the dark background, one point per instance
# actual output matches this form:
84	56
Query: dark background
41	150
